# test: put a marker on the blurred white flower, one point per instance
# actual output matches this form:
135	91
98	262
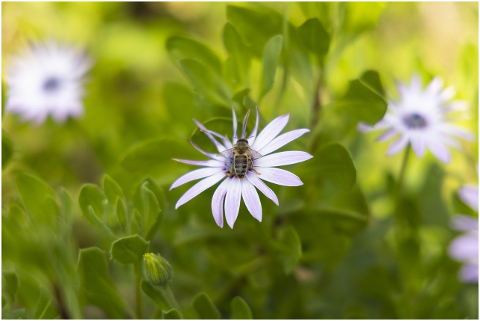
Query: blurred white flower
234	186
464	248
47	78
419	117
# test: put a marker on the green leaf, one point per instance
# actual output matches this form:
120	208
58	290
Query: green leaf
96	283
314	38
255	25
363	101
182	47
204	307
238	62
46	308
122	217
207	85
271	53
291	249
172	314
14	314
129	249
179	98
68	208
9	286
7	149
155	156
331	162
361	16
36	195
154	294
112	190
319	10
240	309
91	197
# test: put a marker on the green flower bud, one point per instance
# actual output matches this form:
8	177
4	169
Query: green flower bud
156	270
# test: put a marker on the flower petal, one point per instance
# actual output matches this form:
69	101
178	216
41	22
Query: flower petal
469	195
199	187
469	272
211	155
253	135
282	158
439	150
464	247
204	130
418	146
282	140
262	187
279	176
234	120
464	223
196	174
232	201
270	132
251	199
398	145
387	135
217	201
208	163
245	121
456	131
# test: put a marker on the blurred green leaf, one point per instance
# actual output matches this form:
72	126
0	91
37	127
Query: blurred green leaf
112	190
91	197
96	283
122	217
129	249
271	54
330	162
14	314
255	25
238	61
178	99
46	308
35	195
172	314
363	101
204	307
361	16
314	37
182	47
7	149
9	286
155	156
291	249
68	208
240	309
207	84
319	10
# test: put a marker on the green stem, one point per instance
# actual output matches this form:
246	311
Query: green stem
401	178
317	102
170	298
138	292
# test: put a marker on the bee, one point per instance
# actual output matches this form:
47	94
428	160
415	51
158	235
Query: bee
242	157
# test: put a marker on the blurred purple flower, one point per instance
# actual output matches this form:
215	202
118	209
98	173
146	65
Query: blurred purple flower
464	248
419	117
232	189
47	79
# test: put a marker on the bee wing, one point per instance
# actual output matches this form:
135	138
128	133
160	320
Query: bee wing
228	153
254	154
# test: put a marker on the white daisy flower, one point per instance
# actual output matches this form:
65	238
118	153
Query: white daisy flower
47	79
419	117
242	175
464	248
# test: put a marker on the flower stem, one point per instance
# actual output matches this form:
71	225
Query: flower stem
317	102
170	298
138	292
401	177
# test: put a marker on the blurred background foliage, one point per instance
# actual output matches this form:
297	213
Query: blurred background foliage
330	250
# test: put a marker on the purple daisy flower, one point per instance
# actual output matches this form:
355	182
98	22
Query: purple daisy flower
464	248
419	119
243	165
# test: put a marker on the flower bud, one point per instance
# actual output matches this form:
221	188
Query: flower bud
156	270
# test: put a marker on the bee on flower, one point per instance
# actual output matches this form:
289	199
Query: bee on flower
242	165
419	118
47	79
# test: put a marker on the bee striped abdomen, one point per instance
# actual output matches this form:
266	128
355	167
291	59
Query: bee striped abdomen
240	164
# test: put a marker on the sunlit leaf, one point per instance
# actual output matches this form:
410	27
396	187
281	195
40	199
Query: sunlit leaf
46	308
271	54
239	55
